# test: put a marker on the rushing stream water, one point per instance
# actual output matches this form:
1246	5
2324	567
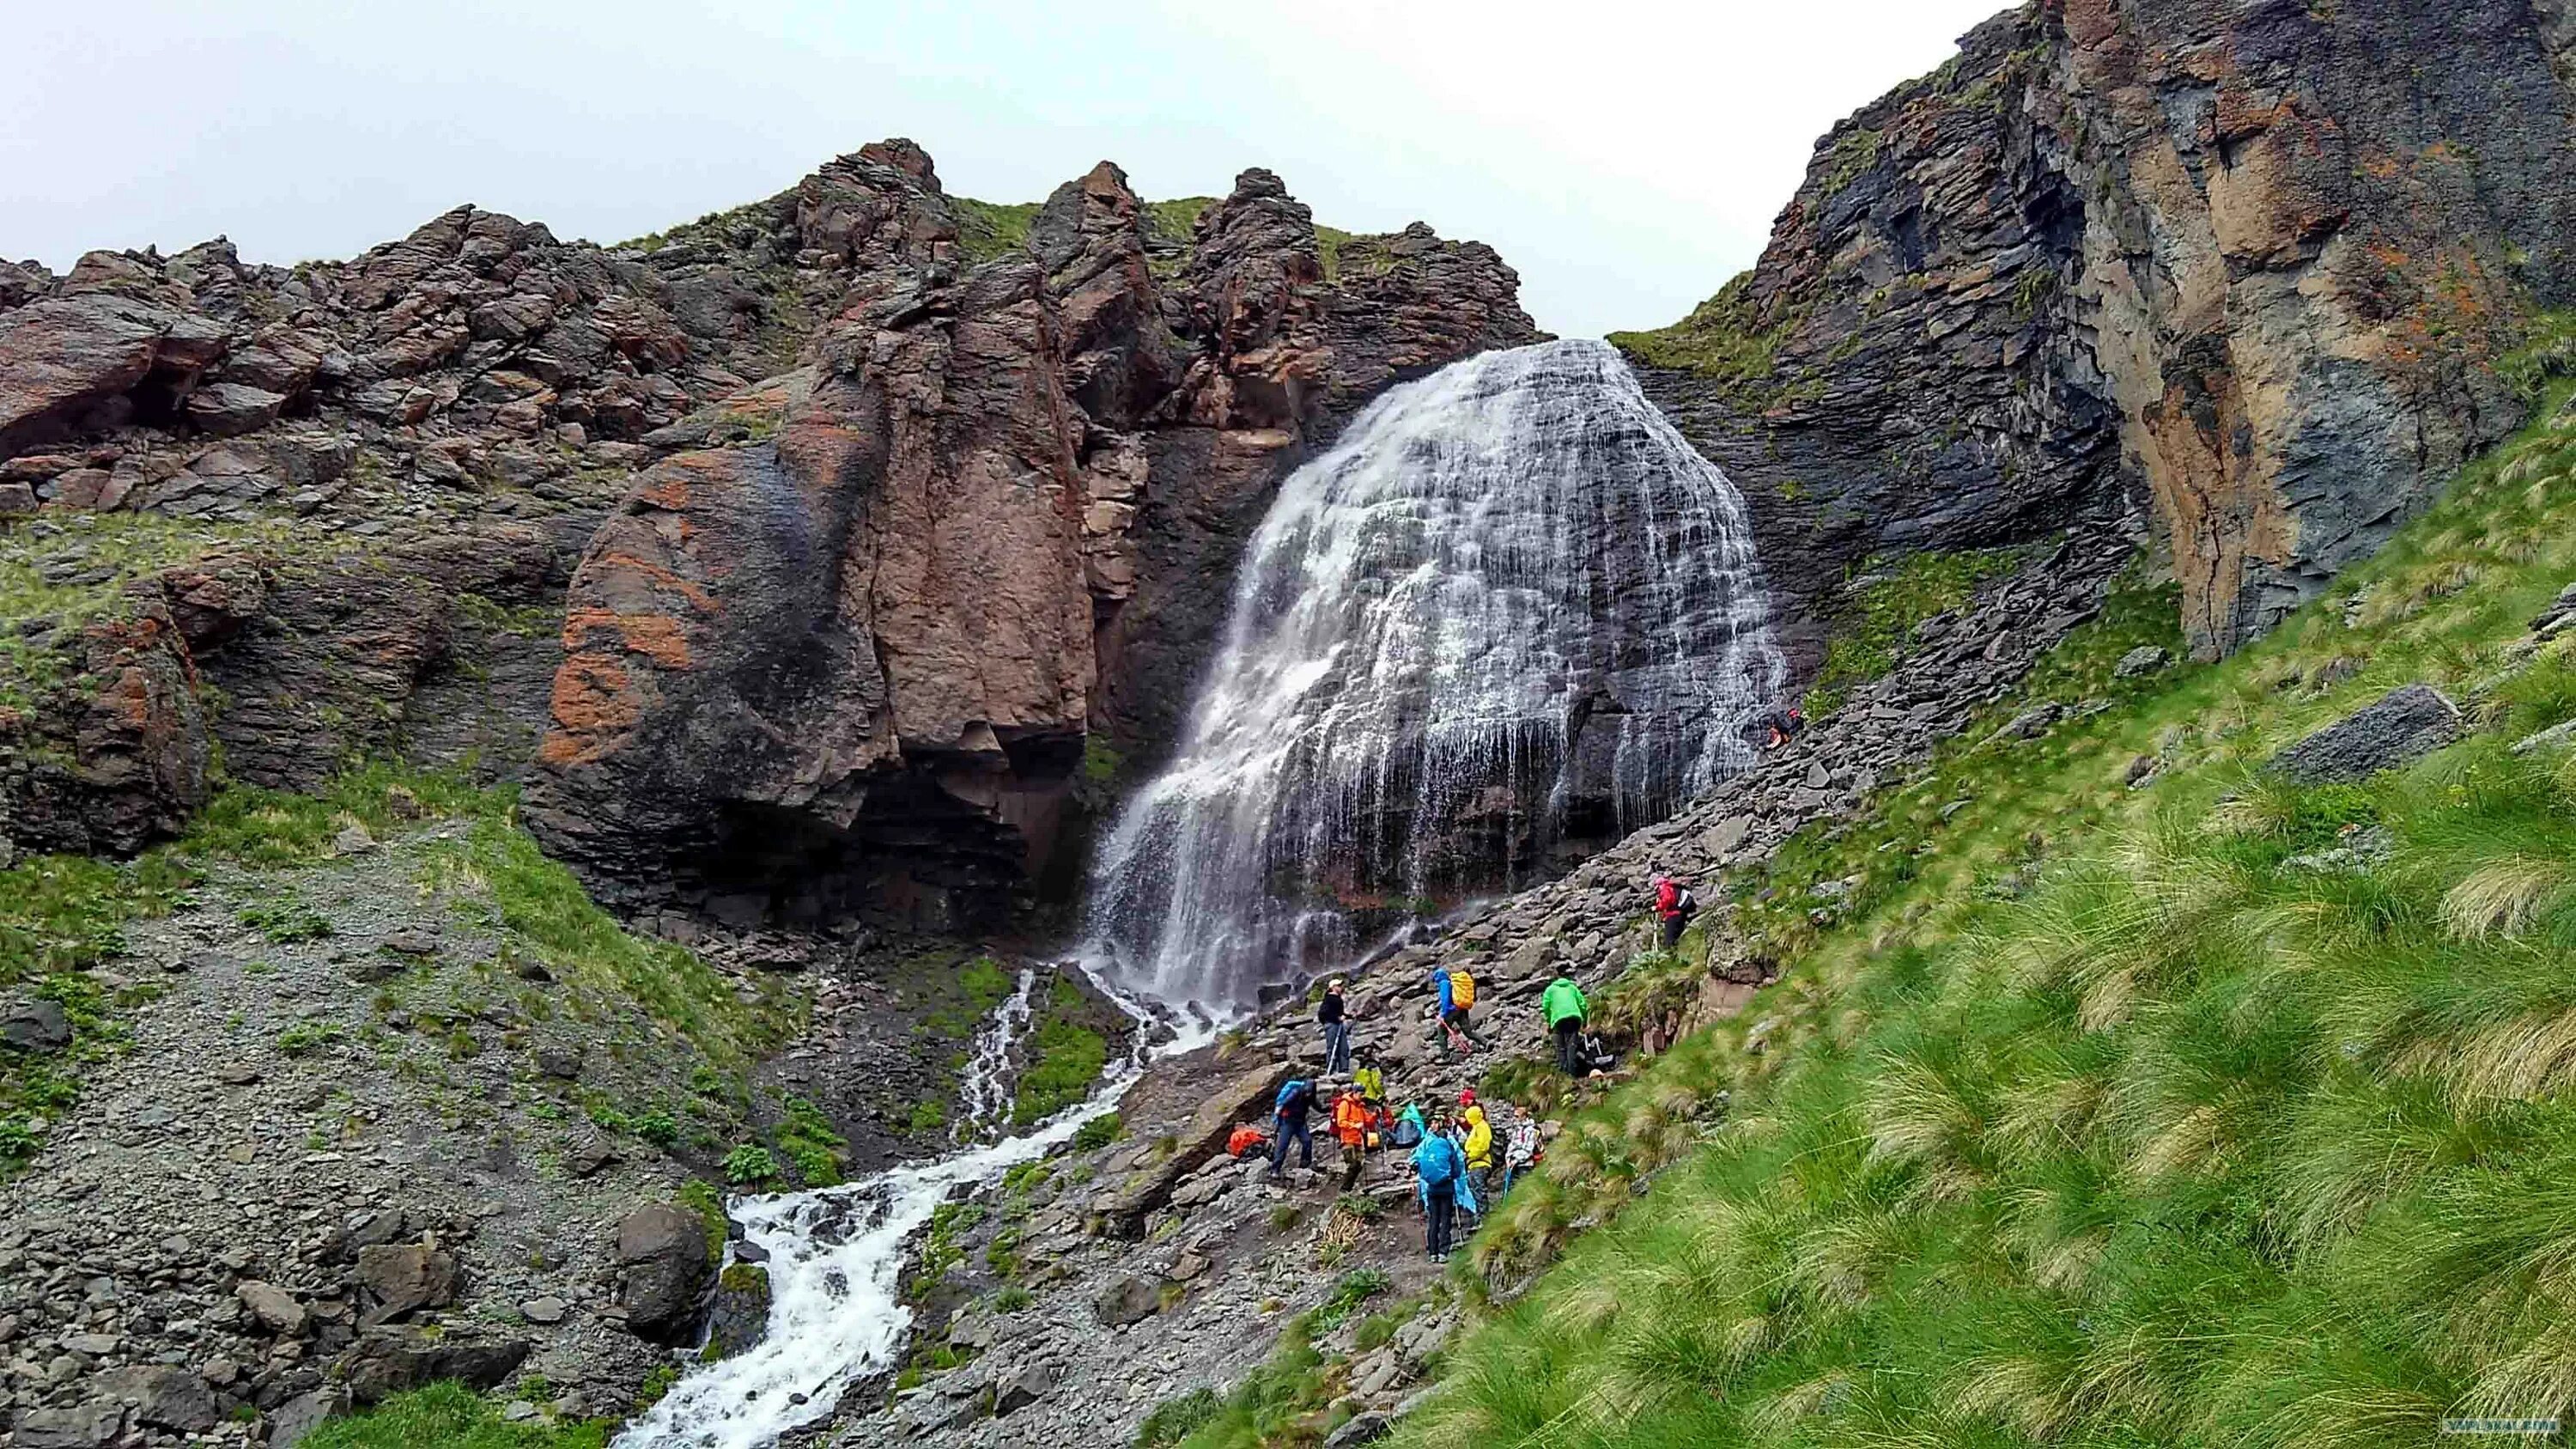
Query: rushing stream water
1512	602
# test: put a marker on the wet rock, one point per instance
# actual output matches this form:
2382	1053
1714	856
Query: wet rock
739	1316
2398	728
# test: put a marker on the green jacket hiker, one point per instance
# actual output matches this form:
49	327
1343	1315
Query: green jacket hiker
1563	1001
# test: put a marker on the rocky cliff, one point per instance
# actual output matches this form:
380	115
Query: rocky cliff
870	519
2242	268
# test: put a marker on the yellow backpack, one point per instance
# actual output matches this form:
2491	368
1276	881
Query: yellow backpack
1462	990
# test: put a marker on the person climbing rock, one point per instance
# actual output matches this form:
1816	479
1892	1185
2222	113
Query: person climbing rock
1781	726
1520	1152
1333	1016
1674	906
1476	1145
1437	1171
1356	1123
1456	989
1371	1080
1565	1008
1288	1118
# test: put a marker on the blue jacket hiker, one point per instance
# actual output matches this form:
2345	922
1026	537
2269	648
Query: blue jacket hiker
1440	1172
1288	1118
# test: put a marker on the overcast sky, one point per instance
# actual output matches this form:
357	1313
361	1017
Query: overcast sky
1626	157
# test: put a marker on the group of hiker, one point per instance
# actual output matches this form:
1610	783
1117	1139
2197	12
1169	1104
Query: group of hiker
1453	1155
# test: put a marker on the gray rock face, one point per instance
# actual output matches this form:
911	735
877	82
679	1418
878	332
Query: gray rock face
1129	1300
401	1278
2126	258
84	1426
386	1361
163	1397
662	1253
34	1024
2400	727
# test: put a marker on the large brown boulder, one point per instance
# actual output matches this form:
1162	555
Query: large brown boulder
667	1272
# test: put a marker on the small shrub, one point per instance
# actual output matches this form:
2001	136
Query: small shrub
750	1164
1097	1133
1176	1419
659	1128
304	1036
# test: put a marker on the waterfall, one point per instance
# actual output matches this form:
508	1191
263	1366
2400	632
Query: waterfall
983	1096
1510	607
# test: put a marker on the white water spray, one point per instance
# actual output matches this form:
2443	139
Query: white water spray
1512	605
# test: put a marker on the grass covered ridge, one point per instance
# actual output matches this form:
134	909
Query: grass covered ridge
2215	1112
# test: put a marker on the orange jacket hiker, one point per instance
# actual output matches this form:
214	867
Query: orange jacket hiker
1353	1119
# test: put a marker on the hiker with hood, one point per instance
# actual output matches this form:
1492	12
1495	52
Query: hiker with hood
1674	906
1439	1172
1334	1016
1457	992
1566	1009
1356	1124
1476	1147
1288	1118
1520	1152
1409	1128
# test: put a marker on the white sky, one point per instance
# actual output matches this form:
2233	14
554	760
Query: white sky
1626	157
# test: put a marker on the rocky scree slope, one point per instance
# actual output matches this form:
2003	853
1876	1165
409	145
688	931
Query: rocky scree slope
2245	268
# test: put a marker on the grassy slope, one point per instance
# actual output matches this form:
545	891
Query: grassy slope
2082	1117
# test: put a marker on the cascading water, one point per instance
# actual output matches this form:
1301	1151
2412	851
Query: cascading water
1510	605
835	1257
983	1095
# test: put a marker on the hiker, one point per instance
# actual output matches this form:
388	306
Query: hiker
1356	1122
1371	1080
1565	1008
1783	726
1332	1015
1674	905
1457	991
1438	1171
1287	1119
1520	1152
1409	1129
1476	1145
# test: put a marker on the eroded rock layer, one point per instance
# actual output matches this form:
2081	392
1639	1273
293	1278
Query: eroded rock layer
859	666
2242	268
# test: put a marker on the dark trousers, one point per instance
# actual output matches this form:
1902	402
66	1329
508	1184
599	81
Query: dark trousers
1281	1129
1337	1048
1439	1216
1569	1046
1351	1160
1674	925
